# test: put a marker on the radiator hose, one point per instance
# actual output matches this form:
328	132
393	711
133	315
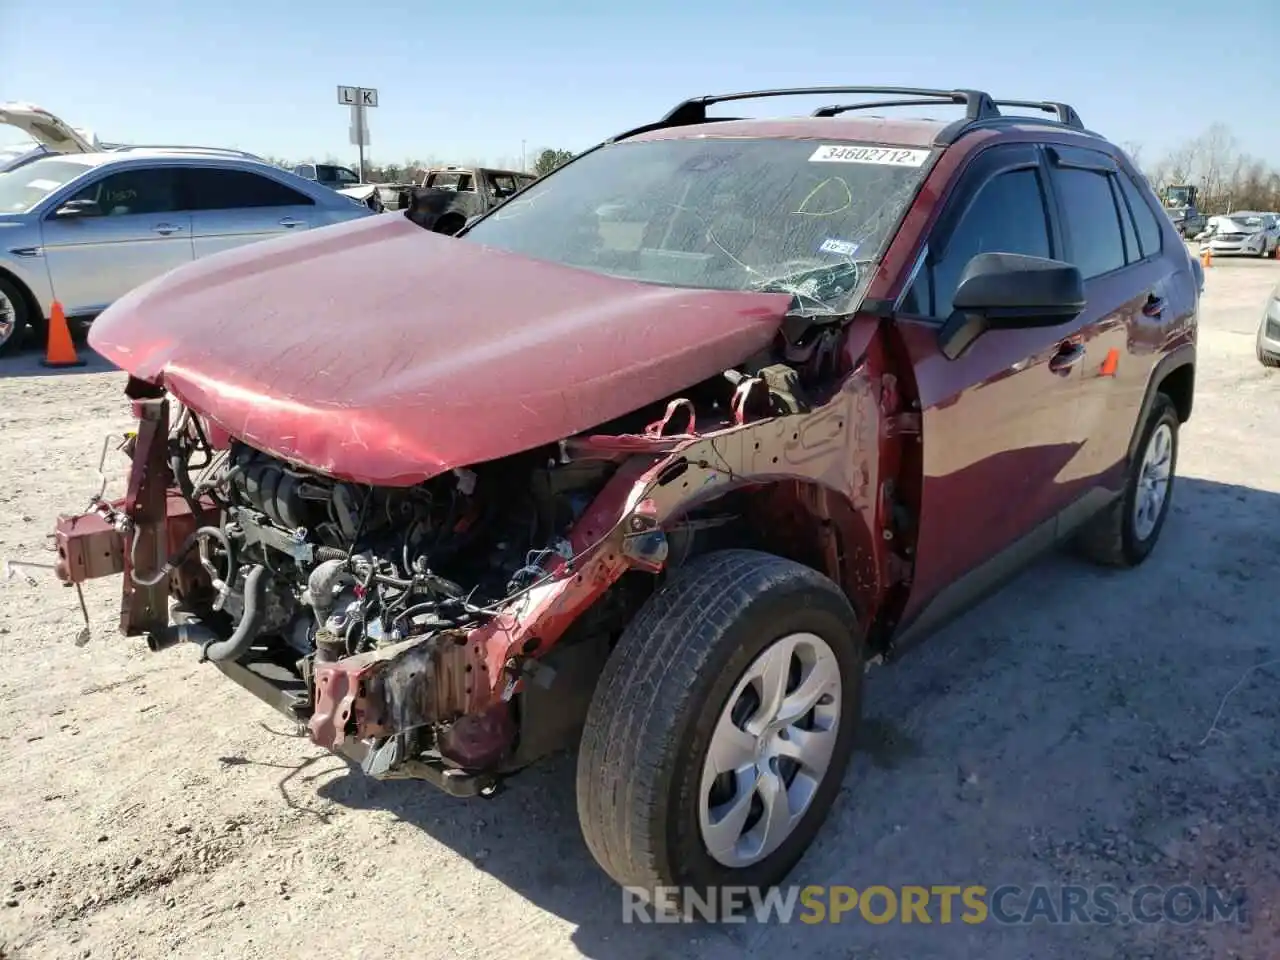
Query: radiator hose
235	646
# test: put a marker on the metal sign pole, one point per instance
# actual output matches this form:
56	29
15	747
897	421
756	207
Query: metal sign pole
358	99
360	136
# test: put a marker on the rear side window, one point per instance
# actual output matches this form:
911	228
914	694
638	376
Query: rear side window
218	189
1092	222
1149	234
1008	216
1132	253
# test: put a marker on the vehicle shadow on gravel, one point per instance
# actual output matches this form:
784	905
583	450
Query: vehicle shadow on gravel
1063	732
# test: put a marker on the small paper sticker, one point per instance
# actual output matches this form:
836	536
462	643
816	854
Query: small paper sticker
883	156
844	248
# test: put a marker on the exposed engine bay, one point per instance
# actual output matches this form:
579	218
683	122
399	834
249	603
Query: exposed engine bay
348	568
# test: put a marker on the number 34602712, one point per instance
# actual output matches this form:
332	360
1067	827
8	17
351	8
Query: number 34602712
884	156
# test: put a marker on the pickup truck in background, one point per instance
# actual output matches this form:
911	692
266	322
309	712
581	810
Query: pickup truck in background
450	196
376	196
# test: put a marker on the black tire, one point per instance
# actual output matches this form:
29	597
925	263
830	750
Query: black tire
20	322
1112	538
661	694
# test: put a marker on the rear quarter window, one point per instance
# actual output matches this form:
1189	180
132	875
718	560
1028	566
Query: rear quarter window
1150	236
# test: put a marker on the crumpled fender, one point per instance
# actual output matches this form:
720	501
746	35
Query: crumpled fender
833	448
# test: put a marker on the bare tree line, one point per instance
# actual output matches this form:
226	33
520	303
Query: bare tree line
1226	177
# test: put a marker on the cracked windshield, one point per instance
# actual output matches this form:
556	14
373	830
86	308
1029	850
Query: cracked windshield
790	216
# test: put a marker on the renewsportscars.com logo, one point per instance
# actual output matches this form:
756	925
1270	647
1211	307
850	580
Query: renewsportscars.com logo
936	904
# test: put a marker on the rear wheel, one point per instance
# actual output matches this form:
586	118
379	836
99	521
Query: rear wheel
1126	532
14	316
722	725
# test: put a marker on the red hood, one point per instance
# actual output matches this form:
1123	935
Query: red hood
378	352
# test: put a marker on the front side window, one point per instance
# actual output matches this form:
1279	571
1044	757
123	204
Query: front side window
140	190
1007	216
794	216
23	188
1092	222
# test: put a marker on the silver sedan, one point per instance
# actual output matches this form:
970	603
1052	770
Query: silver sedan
1269	331
86	228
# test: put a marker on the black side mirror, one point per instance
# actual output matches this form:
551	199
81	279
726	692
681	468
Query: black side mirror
74	209
1004	291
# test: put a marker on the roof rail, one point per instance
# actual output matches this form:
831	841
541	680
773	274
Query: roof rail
1065	113
837	109
978	105
188	148
980	108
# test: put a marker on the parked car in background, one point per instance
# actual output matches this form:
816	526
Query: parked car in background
1268	345
45	134
345	181
85	228
450	196
1244	232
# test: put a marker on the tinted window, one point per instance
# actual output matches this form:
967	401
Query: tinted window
141	190
1008	216
1149	234
1091	220
1132	253
214	189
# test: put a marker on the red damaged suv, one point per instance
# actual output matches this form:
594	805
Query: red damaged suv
653	458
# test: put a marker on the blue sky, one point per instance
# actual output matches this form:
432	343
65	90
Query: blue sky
461	81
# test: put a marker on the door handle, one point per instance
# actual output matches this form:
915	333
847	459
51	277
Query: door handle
1068	355
290	222
1154	306
164	229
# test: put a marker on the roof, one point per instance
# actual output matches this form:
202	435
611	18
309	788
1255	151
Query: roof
908	133
152	153
898	131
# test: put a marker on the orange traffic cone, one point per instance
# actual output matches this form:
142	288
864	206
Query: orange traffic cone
1206	257
59	350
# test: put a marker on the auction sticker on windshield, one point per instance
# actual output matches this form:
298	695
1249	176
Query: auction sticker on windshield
885	156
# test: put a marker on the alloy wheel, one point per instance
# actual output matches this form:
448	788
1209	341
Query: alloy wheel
770	749
1153	481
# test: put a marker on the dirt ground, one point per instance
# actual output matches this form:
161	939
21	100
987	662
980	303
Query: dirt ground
1058	734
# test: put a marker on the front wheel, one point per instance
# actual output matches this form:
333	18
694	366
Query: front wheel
722	725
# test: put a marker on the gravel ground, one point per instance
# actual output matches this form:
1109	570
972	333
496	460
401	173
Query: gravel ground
1058	734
